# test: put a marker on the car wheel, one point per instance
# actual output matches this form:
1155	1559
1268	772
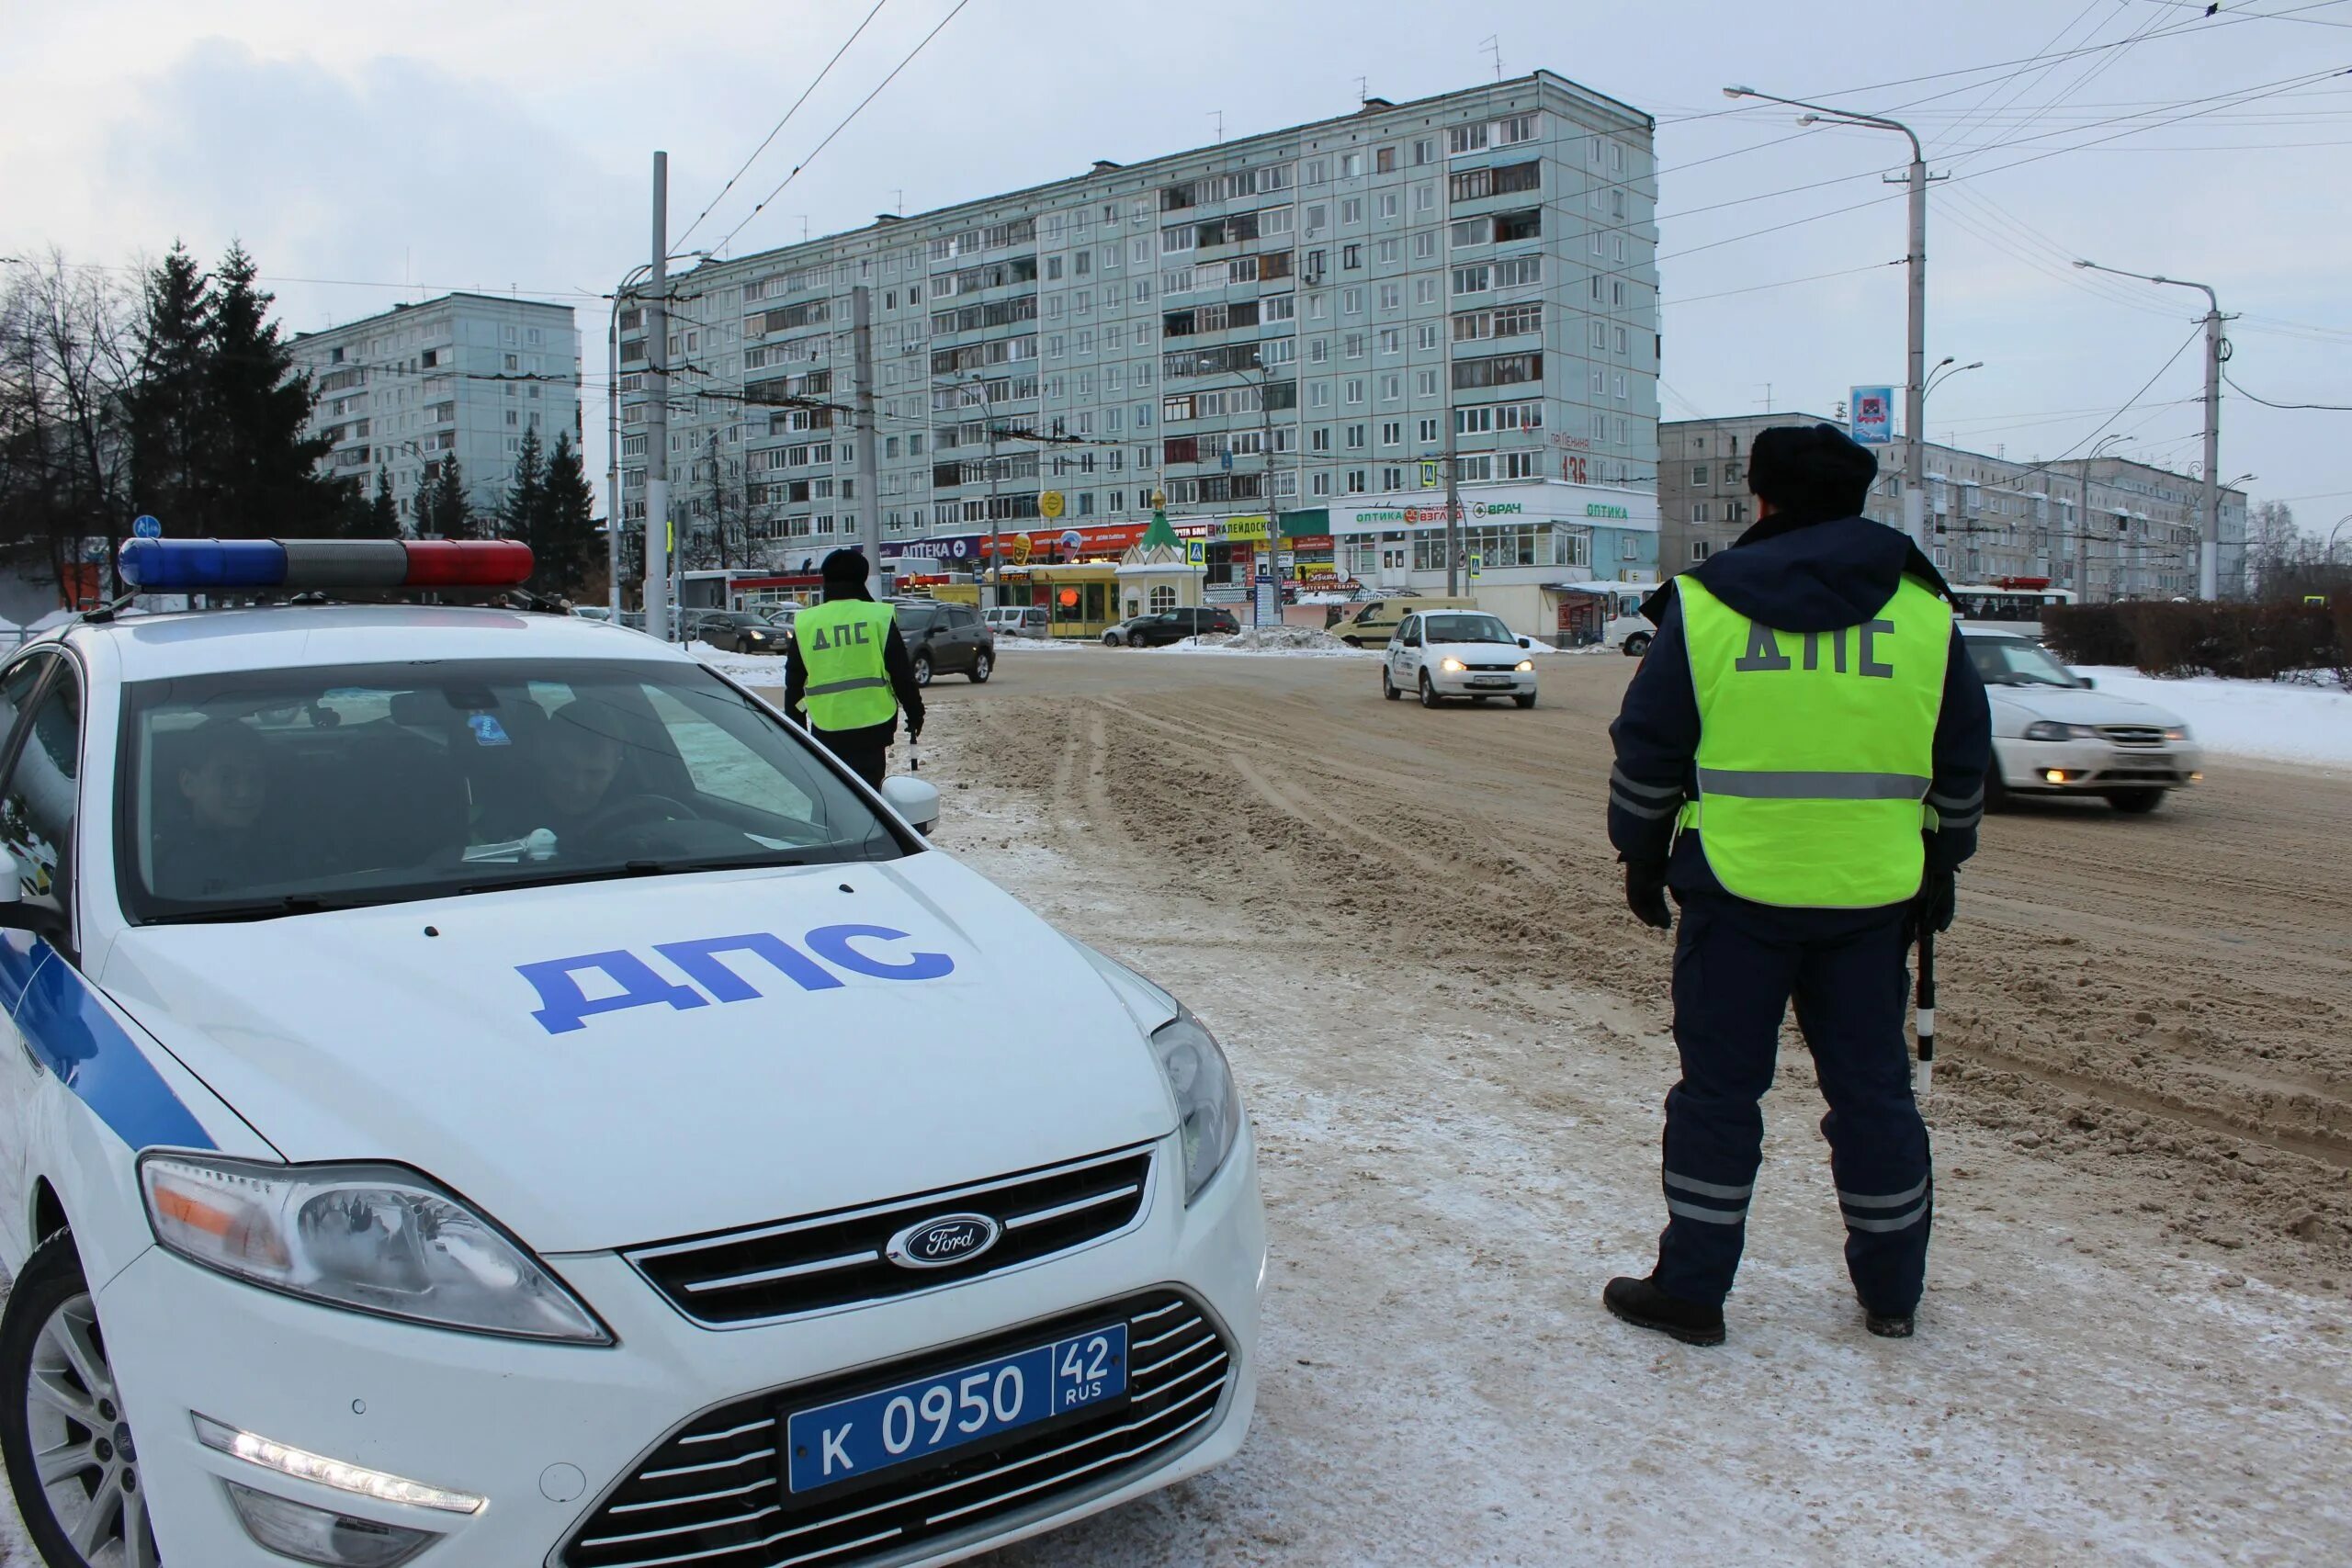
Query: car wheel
922	668
1996	790
983	666
1353	641
1637	645
1110	640
1388	687
1524	699
2137	802
70	1462
1429	693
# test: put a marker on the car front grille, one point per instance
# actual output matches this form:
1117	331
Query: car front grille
2132	734
1493	669
838	1259
713	1494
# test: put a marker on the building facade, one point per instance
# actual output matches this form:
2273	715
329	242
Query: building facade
461	377
1990	517
1294	323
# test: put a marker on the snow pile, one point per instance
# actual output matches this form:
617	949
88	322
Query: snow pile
1296	641
2250	719
752	668
1036	643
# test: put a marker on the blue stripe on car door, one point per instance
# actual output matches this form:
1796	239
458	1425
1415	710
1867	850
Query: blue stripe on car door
75	1037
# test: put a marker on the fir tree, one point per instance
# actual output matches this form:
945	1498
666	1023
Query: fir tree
519	514
566	538
442	509
263	466
383	517
169	398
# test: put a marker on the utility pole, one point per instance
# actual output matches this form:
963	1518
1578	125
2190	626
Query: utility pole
2083	526
2208	554
2209	557
996	538
1274	517
1453	515
613	462
868	509
1915	400
657	437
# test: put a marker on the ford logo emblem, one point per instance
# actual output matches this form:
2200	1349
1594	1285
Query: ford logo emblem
937	1243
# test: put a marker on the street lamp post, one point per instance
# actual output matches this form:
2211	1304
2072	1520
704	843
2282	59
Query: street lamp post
2209	555
1915	391
2083	525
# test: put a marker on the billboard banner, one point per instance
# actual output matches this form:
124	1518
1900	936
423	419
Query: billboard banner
1873	415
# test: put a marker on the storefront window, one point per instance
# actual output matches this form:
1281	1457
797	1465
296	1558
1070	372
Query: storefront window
1163	598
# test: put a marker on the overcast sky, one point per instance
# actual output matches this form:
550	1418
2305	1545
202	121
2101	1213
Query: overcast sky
359	148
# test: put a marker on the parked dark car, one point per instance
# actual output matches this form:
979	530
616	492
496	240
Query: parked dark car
945	639
1164	626
737	631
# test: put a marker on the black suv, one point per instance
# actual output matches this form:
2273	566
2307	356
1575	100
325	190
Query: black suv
1165	626
945	639
737	631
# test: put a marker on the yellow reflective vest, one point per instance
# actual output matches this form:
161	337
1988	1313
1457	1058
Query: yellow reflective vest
1817	748
842	643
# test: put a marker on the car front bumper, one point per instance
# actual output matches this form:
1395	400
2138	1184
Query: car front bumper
1482	682
544	1432
2093	767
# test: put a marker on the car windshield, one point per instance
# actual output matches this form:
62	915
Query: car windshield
261	792
1465	629
2013	662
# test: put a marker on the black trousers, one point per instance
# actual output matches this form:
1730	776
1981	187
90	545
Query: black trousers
867	751
1736	968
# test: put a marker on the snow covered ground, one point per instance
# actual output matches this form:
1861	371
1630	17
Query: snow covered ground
2249	718
1310	642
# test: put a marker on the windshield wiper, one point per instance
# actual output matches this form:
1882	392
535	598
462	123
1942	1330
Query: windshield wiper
627	869
265	909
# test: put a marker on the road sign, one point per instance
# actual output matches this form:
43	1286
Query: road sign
1196	552
1474	566
1224	459
1266	602
1050	505
1428	476
146	527
1873	415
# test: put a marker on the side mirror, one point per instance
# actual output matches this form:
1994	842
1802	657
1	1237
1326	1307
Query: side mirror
914	799
2088	682
1528	643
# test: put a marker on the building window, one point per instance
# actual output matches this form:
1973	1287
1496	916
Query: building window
1699	548
1698	512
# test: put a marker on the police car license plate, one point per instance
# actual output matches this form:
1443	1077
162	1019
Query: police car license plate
871	1432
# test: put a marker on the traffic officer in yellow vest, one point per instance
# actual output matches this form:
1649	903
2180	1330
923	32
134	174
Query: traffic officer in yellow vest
1801	759
845	668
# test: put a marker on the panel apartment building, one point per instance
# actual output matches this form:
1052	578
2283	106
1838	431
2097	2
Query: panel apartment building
1991	517
462	377
1279	324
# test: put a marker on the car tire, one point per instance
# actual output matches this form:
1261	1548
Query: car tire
983	666
1996	789
2135	802
1353	641
1388	687
1523	699
50	1331
1430	698
1637	645
922	668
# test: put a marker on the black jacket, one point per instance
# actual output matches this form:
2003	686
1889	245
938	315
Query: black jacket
1796	576
895	664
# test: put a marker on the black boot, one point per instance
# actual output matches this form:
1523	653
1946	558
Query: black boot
1643	1304
1887	1324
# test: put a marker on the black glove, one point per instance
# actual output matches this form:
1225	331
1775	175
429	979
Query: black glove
914	735
1938	900
1646	893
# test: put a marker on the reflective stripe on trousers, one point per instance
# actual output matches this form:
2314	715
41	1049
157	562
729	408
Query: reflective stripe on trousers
1681	1190
1881	1223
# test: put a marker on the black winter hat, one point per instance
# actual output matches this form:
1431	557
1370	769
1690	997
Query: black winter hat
844	566
1815	470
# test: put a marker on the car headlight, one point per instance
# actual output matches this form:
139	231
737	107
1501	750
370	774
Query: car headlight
1451	666
1208	1107
2045	729
1525	666
371	1238
2176	732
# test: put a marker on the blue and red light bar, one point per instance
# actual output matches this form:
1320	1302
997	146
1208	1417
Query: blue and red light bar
183	566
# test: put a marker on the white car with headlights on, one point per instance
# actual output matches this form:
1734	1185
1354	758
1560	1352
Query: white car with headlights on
486	1092
1458	653
2053	733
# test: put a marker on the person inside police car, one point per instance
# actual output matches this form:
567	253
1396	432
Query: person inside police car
847	672
221	780
1801	761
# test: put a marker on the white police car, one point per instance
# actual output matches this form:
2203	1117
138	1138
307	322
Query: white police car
485	1090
